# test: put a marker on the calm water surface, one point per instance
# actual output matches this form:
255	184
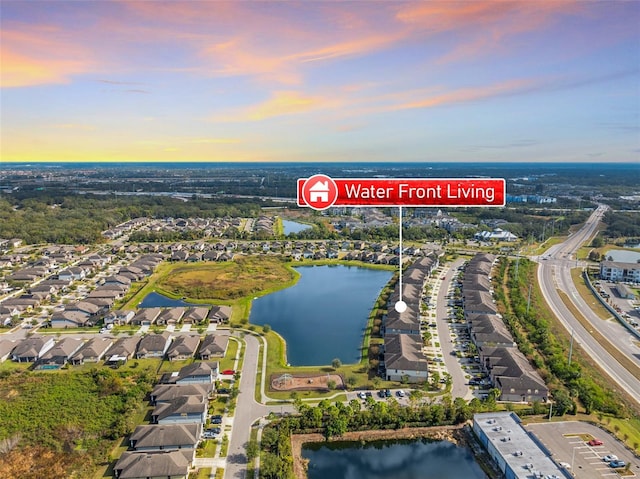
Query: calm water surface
324	314
623	256
419	459
293	226
156	300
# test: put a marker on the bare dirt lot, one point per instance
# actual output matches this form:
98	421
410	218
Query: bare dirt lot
298	382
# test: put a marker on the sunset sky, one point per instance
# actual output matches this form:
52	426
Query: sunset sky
320	81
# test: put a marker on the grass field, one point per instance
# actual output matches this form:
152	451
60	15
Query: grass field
587	295
243	277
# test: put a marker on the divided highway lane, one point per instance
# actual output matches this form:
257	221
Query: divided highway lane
554	274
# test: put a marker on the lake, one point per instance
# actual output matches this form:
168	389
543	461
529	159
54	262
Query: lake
623	256
414	459
156	300
293	226
324	314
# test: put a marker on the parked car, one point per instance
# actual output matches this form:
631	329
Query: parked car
617	463
368	394
610	457
216	419
387	393
595	442
381	393
400	393
230	372
362	395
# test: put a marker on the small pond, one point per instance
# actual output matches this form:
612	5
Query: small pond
323	316
293	226
156	300
414	459
623	256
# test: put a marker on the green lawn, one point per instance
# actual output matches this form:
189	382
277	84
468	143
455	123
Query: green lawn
208	450
232	280
229	358
203	473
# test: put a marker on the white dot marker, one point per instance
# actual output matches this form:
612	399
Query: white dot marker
401	306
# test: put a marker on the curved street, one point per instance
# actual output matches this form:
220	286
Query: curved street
554	273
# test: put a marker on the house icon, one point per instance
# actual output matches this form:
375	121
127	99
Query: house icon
319	192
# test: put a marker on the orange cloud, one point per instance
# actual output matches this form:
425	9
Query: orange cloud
463	95
483	26
40	55
281	103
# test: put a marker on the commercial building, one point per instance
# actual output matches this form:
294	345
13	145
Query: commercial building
517	453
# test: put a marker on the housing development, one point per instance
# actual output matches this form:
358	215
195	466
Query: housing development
165	304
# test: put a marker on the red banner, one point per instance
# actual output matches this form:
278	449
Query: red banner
321	192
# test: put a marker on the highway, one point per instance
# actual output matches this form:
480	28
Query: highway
554	274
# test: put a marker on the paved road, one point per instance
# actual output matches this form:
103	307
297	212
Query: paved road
247	412
459	387
554	274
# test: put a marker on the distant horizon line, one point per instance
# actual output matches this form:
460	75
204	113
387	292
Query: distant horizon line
302	162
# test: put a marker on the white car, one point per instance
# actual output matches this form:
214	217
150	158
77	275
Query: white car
362	395
610	457
400	393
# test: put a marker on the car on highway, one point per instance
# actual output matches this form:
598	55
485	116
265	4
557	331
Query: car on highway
617	463
595	442
610	457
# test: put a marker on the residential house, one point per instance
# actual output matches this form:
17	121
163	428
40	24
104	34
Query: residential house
122	350
220	314
31	349
105	292
7	313
6	347
183	347
403	358
70	319
171	315
119	317
407	322
213	346
478	302
168	392
153	465
60	354
21	303
166	437
195	315
153	345
513	375
146	316
72	274
489	330
92	351
89	309
198	372
182	410
121	281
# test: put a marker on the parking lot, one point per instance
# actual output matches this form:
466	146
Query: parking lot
567	442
